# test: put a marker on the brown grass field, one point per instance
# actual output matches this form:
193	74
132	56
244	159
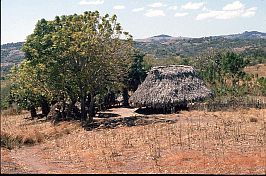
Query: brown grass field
259	69
223	142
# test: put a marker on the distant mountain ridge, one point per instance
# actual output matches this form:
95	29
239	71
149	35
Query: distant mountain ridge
165	46
162	36
244	35
159	38
11	55
247	35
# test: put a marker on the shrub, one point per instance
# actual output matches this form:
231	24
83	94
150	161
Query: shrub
10	142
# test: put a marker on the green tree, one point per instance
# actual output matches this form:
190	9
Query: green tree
219	68
26	88
262	85
5	91
135	76
233	65
137	73
82	56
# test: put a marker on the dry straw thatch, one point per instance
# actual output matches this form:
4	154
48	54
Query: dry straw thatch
168	86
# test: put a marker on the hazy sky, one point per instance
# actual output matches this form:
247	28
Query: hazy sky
141	18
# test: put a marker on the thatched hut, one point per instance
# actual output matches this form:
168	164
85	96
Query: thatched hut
169	86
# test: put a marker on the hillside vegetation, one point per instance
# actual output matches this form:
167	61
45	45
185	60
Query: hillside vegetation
249	44
164	46
11	55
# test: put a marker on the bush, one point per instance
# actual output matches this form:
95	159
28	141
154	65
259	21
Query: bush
10	142
14	110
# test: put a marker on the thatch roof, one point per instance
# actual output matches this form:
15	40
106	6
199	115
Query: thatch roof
166	86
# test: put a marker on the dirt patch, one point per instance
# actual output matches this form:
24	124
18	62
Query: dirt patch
8	165
28	158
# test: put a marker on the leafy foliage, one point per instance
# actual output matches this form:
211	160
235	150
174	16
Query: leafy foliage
223	71
72	57
26	89
262	85
137	72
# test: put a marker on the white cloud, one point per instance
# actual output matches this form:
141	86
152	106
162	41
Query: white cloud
229	11
192	6
157	4
252	9
154	13
92	2
227	14
250	12
217	15
204	9
234	6
172	7
181	14
119	7
210	14
138	9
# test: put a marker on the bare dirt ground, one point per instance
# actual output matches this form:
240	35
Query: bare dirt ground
231	142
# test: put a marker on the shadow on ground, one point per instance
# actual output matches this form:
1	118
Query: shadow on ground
125	121
107	115
151	111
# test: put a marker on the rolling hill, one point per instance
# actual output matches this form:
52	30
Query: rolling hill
164	46
11	55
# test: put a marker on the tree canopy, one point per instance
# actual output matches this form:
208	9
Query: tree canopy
75	57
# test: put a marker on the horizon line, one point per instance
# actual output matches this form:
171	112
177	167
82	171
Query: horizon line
217	35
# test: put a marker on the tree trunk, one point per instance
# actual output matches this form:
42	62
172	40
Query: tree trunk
88	100
33	112
112	98
71	109
83	112
64	113
91	108
83	108
125	97
45	106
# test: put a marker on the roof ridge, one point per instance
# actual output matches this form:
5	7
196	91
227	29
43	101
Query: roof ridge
167	66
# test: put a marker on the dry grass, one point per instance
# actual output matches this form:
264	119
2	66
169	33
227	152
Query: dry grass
259	69
200	142
18	130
